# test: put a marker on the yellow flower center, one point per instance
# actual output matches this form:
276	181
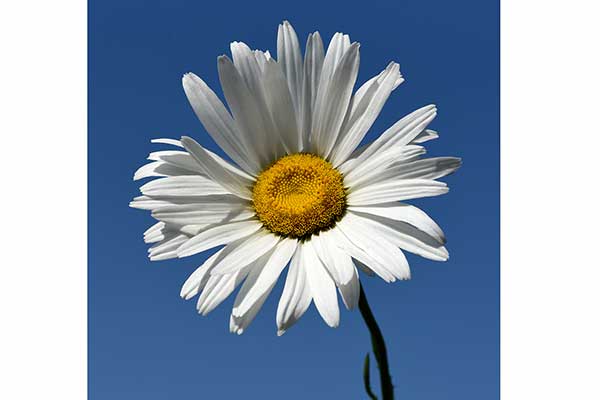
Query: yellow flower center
299	195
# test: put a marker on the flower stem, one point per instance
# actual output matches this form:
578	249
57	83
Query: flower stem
387	389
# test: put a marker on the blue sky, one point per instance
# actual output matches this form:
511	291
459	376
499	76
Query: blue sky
442	327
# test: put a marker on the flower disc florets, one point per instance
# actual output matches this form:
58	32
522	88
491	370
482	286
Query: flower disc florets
299	195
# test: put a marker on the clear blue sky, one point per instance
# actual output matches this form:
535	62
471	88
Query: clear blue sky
442	327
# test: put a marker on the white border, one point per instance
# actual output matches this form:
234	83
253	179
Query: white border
550	272
43	90
550	198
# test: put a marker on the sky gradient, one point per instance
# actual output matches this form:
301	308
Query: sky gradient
441	327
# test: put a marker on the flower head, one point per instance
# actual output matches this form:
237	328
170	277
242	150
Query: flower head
297	189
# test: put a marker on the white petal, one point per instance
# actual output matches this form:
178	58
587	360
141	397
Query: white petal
396	190
332	103
336	261
350	242
402	132
350	291
159	168
296	296
281	106
167	248
215	211
172	142
290	59
338	45
262	278
321	285
404	213
372	169
313	63
425	136
242	252
428	168
217	236
249	117
365	110
400	234
197	280
238	324
183	186
181	159
377	244
232	182
218	288
218	122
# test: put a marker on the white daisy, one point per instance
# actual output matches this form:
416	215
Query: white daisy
298	190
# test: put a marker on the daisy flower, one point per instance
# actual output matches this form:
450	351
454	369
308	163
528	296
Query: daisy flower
295	189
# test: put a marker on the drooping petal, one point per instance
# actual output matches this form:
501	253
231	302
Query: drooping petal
321	285
296	296
350	292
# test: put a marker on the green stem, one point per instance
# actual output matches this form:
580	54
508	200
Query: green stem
387	389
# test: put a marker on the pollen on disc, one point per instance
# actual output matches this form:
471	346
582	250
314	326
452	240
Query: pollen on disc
299	195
